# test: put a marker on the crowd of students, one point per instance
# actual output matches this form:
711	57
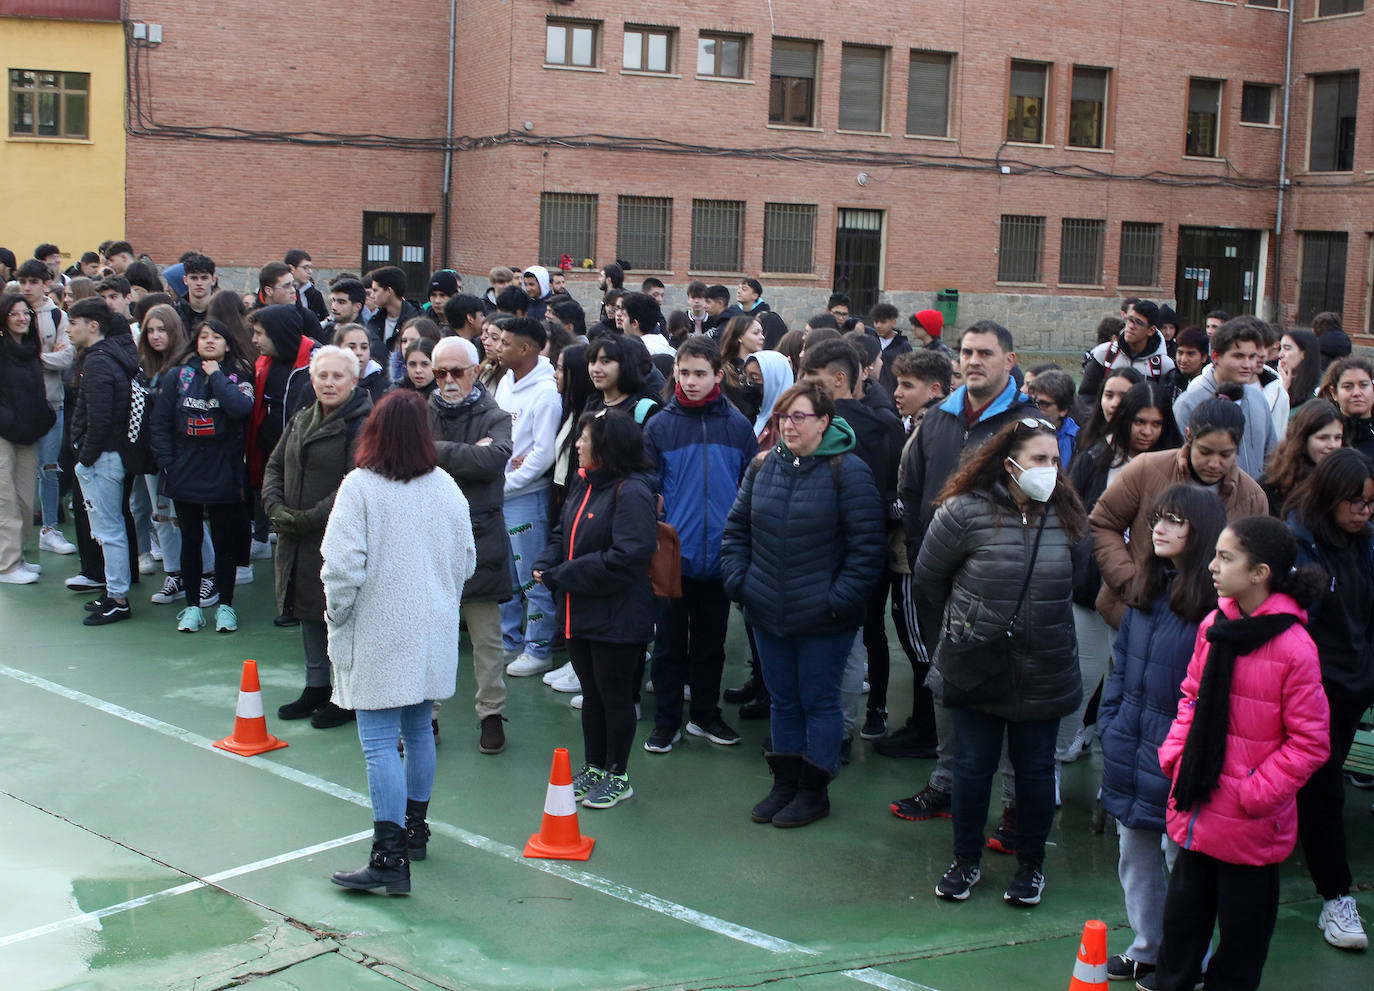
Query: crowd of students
1171	555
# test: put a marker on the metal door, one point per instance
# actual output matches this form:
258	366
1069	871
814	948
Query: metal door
1218	269
858	257
400	239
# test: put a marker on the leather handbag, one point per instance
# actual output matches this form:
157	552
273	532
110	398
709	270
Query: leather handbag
665	567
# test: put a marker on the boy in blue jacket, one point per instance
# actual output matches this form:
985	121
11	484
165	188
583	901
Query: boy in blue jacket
700	446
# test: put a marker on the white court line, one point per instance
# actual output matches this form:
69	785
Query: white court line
562	869
180	889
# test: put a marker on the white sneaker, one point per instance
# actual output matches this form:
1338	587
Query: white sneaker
80	583
243	574
527	664
558	674
575	701
147	564
18	575
1340	924
1078	746
568	685
261	551
52	541
37	569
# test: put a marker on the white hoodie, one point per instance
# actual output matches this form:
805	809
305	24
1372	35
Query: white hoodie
535	409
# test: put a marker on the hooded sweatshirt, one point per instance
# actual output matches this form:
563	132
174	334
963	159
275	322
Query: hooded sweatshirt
535	408
539	306
58	352
1259	437
281	384
777	377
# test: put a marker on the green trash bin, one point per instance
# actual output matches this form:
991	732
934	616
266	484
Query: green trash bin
947	302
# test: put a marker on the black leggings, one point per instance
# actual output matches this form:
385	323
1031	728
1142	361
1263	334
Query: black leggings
607	672
226	521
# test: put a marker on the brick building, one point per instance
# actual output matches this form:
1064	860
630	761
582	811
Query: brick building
1041	165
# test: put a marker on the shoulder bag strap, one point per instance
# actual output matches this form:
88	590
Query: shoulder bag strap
1030	568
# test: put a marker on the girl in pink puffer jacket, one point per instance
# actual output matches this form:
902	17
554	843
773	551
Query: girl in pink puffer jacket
1252	726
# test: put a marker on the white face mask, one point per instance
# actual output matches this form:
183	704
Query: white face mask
1037	483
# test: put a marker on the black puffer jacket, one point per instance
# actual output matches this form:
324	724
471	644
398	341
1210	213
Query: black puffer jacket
24	412
481	473
597	558
101	418
974	560
198	433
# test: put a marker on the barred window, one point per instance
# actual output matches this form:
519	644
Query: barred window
1022	245
717	235
1140	247
789	235
643	231
49	104
1080	251
1323	273
567	225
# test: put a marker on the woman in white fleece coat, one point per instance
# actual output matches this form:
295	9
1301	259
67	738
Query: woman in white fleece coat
397	551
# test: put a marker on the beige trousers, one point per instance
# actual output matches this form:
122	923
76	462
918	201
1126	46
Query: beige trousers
18	477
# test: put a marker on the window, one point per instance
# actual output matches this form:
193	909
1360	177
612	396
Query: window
1204	110
1140	248
1080	252
927	93
49	104
1088	108
1332	144
643	226
721	55
648	49
567	225
717	235
1257	102
1023	241
789	232
1323	273
1026	102
1272	4
792	83
1331	8
571	43
863	75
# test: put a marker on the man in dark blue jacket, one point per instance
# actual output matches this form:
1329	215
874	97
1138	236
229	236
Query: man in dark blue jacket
700	446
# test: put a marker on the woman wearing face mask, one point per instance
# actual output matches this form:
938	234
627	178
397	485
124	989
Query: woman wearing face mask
1313	433
1207	459
1349	383
997	555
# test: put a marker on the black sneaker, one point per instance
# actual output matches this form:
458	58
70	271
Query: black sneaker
716	730
172	590
1026	887
906	742
1359	780
97	603
109	612
1006	838
330	715
875	725
661	740
958	880
925	804
1120	967
209	595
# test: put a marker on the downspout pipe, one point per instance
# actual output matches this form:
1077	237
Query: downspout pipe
448	135
1283	168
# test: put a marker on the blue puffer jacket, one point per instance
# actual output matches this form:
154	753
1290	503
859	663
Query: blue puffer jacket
805	542
1138	706
700	453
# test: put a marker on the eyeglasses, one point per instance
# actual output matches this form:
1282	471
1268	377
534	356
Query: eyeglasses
454	373
1173	519
1046	404
796	419
1360	505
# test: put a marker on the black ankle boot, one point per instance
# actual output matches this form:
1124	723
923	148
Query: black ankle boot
388	867
812	801
305	706
746	692
785	768
417	830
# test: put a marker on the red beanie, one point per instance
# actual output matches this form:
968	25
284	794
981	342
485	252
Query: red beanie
931	321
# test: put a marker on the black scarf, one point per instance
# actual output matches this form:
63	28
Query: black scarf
1205	750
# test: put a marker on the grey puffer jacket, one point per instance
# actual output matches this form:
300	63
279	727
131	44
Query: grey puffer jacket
973	560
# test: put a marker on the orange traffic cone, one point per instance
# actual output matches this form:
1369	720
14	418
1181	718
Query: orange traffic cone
250	736
559	837
1090	970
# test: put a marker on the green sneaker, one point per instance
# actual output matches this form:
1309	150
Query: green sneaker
190	619
613	788
585	780
226	620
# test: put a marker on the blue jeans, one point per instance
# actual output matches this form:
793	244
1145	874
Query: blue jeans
102	485
803	677
391	778
528	527
978	748
49	474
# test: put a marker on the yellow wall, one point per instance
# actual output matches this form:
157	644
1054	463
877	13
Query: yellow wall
67	192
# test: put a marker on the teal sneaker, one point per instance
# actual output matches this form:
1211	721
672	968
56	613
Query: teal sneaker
611	789
190	619
585	780
226	620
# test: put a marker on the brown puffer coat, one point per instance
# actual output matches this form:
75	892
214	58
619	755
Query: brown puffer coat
304	473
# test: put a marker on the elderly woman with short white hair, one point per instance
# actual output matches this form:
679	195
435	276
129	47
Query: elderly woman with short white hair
300	482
